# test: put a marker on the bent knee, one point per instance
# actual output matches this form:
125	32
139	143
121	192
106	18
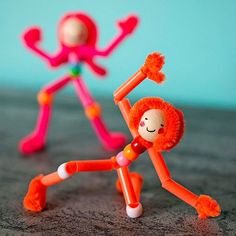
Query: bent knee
93	110
44	98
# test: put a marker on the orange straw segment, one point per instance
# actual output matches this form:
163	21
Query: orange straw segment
124	106
159	165
181	192
127	187
95	165
137	181
51	179
35	199
128	86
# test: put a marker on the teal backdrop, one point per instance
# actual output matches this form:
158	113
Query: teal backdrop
197	37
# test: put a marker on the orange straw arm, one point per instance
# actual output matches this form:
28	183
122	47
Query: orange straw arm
151	69
169	184
128	86
124	106
127	187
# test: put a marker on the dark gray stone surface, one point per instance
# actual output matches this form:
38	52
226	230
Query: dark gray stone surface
88	203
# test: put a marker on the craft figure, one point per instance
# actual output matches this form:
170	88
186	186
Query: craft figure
156	126
78	34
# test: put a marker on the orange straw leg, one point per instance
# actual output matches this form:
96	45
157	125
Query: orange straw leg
72	167
51	179
35	198
95	165
137	182
207	206
127	187
169	184
180	192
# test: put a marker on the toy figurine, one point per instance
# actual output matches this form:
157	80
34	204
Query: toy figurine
77	33
157	126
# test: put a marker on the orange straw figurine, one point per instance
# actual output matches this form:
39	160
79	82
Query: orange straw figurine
156	126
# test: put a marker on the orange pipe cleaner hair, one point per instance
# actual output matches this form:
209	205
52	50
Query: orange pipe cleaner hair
174	127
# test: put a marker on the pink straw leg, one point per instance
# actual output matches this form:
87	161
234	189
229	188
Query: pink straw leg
110	140
36	140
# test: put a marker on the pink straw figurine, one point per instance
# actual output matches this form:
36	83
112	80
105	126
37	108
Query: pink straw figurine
77	34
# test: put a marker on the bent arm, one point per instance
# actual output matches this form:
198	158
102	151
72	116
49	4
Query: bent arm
32	37
112	46
52	60
38	51
127	27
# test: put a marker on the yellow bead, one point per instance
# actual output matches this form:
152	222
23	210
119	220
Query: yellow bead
129	153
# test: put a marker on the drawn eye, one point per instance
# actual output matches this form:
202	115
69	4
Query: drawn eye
146	118
162	125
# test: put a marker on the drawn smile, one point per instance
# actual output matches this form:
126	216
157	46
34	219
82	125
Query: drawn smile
150	131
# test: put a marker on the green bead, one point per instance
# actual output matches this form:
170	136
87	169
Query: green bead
75	71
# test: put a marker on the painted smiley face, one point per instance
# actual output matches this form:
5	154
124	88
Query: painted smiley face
73	32
151	124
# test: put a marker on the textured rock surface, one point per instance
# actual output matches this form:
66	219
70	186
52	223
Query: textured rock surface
88	203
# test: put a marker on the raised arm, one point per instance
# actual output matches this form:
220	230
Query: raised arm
150	69
127	27
31	39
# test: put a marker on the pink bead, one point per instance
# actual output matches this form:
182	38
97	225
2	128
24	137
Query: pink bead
122	160
142	123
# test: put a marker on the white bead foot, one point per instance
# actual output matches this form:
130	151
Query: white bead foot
61	171
134	212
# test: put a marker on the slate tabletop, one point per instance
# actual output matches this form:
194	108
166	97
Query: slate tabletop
88	204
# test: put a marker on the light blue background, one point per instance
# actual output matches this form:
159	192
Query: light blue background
197	37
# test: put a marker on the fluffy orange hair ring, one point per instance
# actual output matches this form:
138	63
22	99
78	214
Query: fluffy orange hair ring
174	121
